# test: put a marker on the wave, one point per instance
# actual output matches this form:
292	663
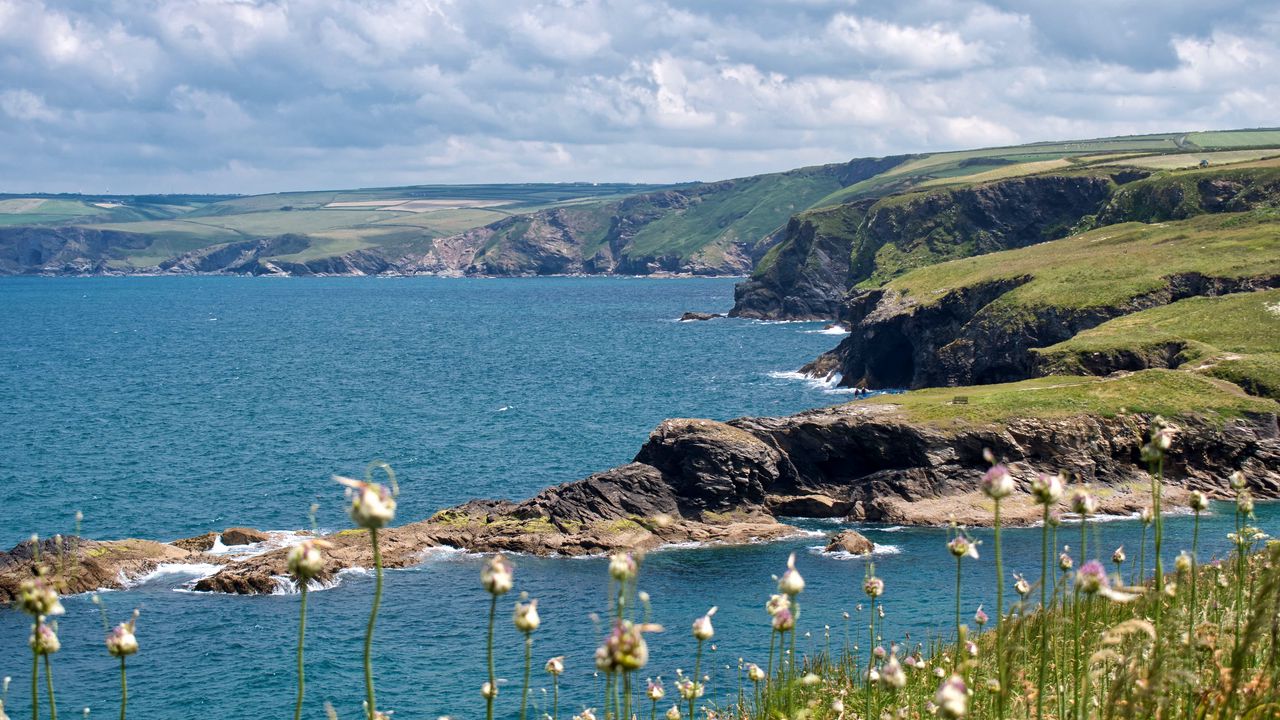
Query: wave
828	384
193	571
833	330
286	585
276	539
877	550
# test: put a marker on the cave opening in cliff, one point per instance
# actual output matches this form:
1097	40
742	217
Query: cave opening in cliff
891	364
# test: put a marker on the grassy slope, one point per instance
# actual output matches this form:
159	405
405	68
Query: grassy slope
1113	264
1235	337
1166	392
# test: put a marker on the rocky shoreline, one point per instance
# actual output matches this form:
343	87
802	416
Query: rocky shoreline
735	482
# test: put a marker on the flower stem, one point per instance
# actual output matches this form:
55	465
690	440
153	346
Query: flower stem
697	678
35	683
555	697
493	681
528	660
48	686
1044	611
1000	661
302	634
957	605
124	689
373	619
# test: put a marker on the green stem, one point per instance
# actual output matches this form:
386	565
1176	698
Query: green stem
528	664
48	686
555	697
871	654
1142	557
1044	611
493	681
697	677
1000	660
957	605
373	619
124	689
302	635
35	681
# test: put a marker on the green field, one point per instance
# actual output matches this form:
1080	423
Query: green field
1110	265
1164	392
1235	337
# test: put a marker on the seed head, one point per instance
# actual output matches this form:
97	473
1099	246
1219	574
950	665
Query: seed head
497	575
791	583
1244	502
373	505
1197	501
997	482
1145	516
702	629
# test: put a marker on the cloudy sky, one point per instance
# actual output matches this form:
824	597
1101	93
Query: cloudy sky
255	96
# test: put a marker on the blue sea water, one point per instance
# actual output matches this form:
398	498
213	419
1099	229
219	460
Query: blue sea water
168	407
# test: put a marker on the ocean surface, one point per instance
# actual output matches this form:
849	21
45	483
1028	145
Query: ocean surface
169	407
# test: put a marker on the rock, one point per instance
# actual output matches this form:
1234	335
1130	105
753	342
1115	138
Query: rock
812	506
81	565
691	316
243	536
850	541
200	543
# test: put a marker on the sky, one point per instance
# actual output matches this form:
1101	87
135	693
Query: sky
137	96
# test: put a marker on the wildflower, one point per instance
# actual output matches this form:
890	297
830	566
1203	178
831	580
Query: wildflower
783	620
625	649
121	642
1244	502
496	575
1047	489
971	648
555	665
1083	502
373	506
1183	562
489	690
892	674
791	583
873	676
43	640
997	482
873	587
980	617
622	566
305	561
1118	556
587	714
656	692
837	706
961	547
1144	516
702	629
673	713
526	616
939	673
755	673
1237	480
1064	561
953	698
810	679
1022	587
37	598
777	603
1091	577
1162	434
1198	502
1055	518
689	690
879	652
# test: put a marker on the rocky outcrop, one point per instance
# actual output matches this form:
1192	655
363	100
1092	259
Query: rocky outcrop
262	257
1180	196
692	316
79	565
64	250
850	541
897	342
707	481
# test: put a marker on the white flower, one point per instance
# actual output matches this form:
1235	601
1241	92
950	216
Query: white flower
1197	501
305	561
488	691
555	665
791	583
777	603
1118	555
755	673
372	506
43	640
1237	480
656	691
673	713
1047	489
526	616
497	575
997	482
622	566
121	641
702	629
953	698
1083	502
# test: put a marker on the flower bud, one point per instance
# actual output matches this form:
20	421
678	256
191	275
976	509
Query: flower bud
526	616
37	598
372	506
655	691
1047	489
496	576
783	620
43	640
1022	587
873	587
702	629
305	561
1118	556
953	698
1183	562
1244	502
980	617
555	665
997	482
961	546
1091	578
1237	480
1197	501
755	673
121	641
488	691
1083	503
622	567
791	583
673	713
777	603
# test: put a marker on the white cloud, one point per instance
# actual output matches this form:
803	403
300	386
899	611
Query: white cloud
223	95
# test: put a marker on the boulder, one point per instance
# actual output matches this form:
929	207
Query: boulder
813	506
243	536
691	316
850	541
199	543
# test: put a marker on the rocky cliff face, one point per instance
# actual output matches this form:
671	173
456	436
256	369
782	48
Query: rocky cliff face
260	257
63	250
826	252
898	343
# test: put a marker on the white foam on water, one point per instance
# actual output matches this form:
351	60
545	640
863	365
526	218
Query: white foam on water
891	528
828	384
833	330
275	539
194	571
877	550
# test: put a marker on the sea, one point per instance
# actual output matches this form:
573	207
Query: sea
168	407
